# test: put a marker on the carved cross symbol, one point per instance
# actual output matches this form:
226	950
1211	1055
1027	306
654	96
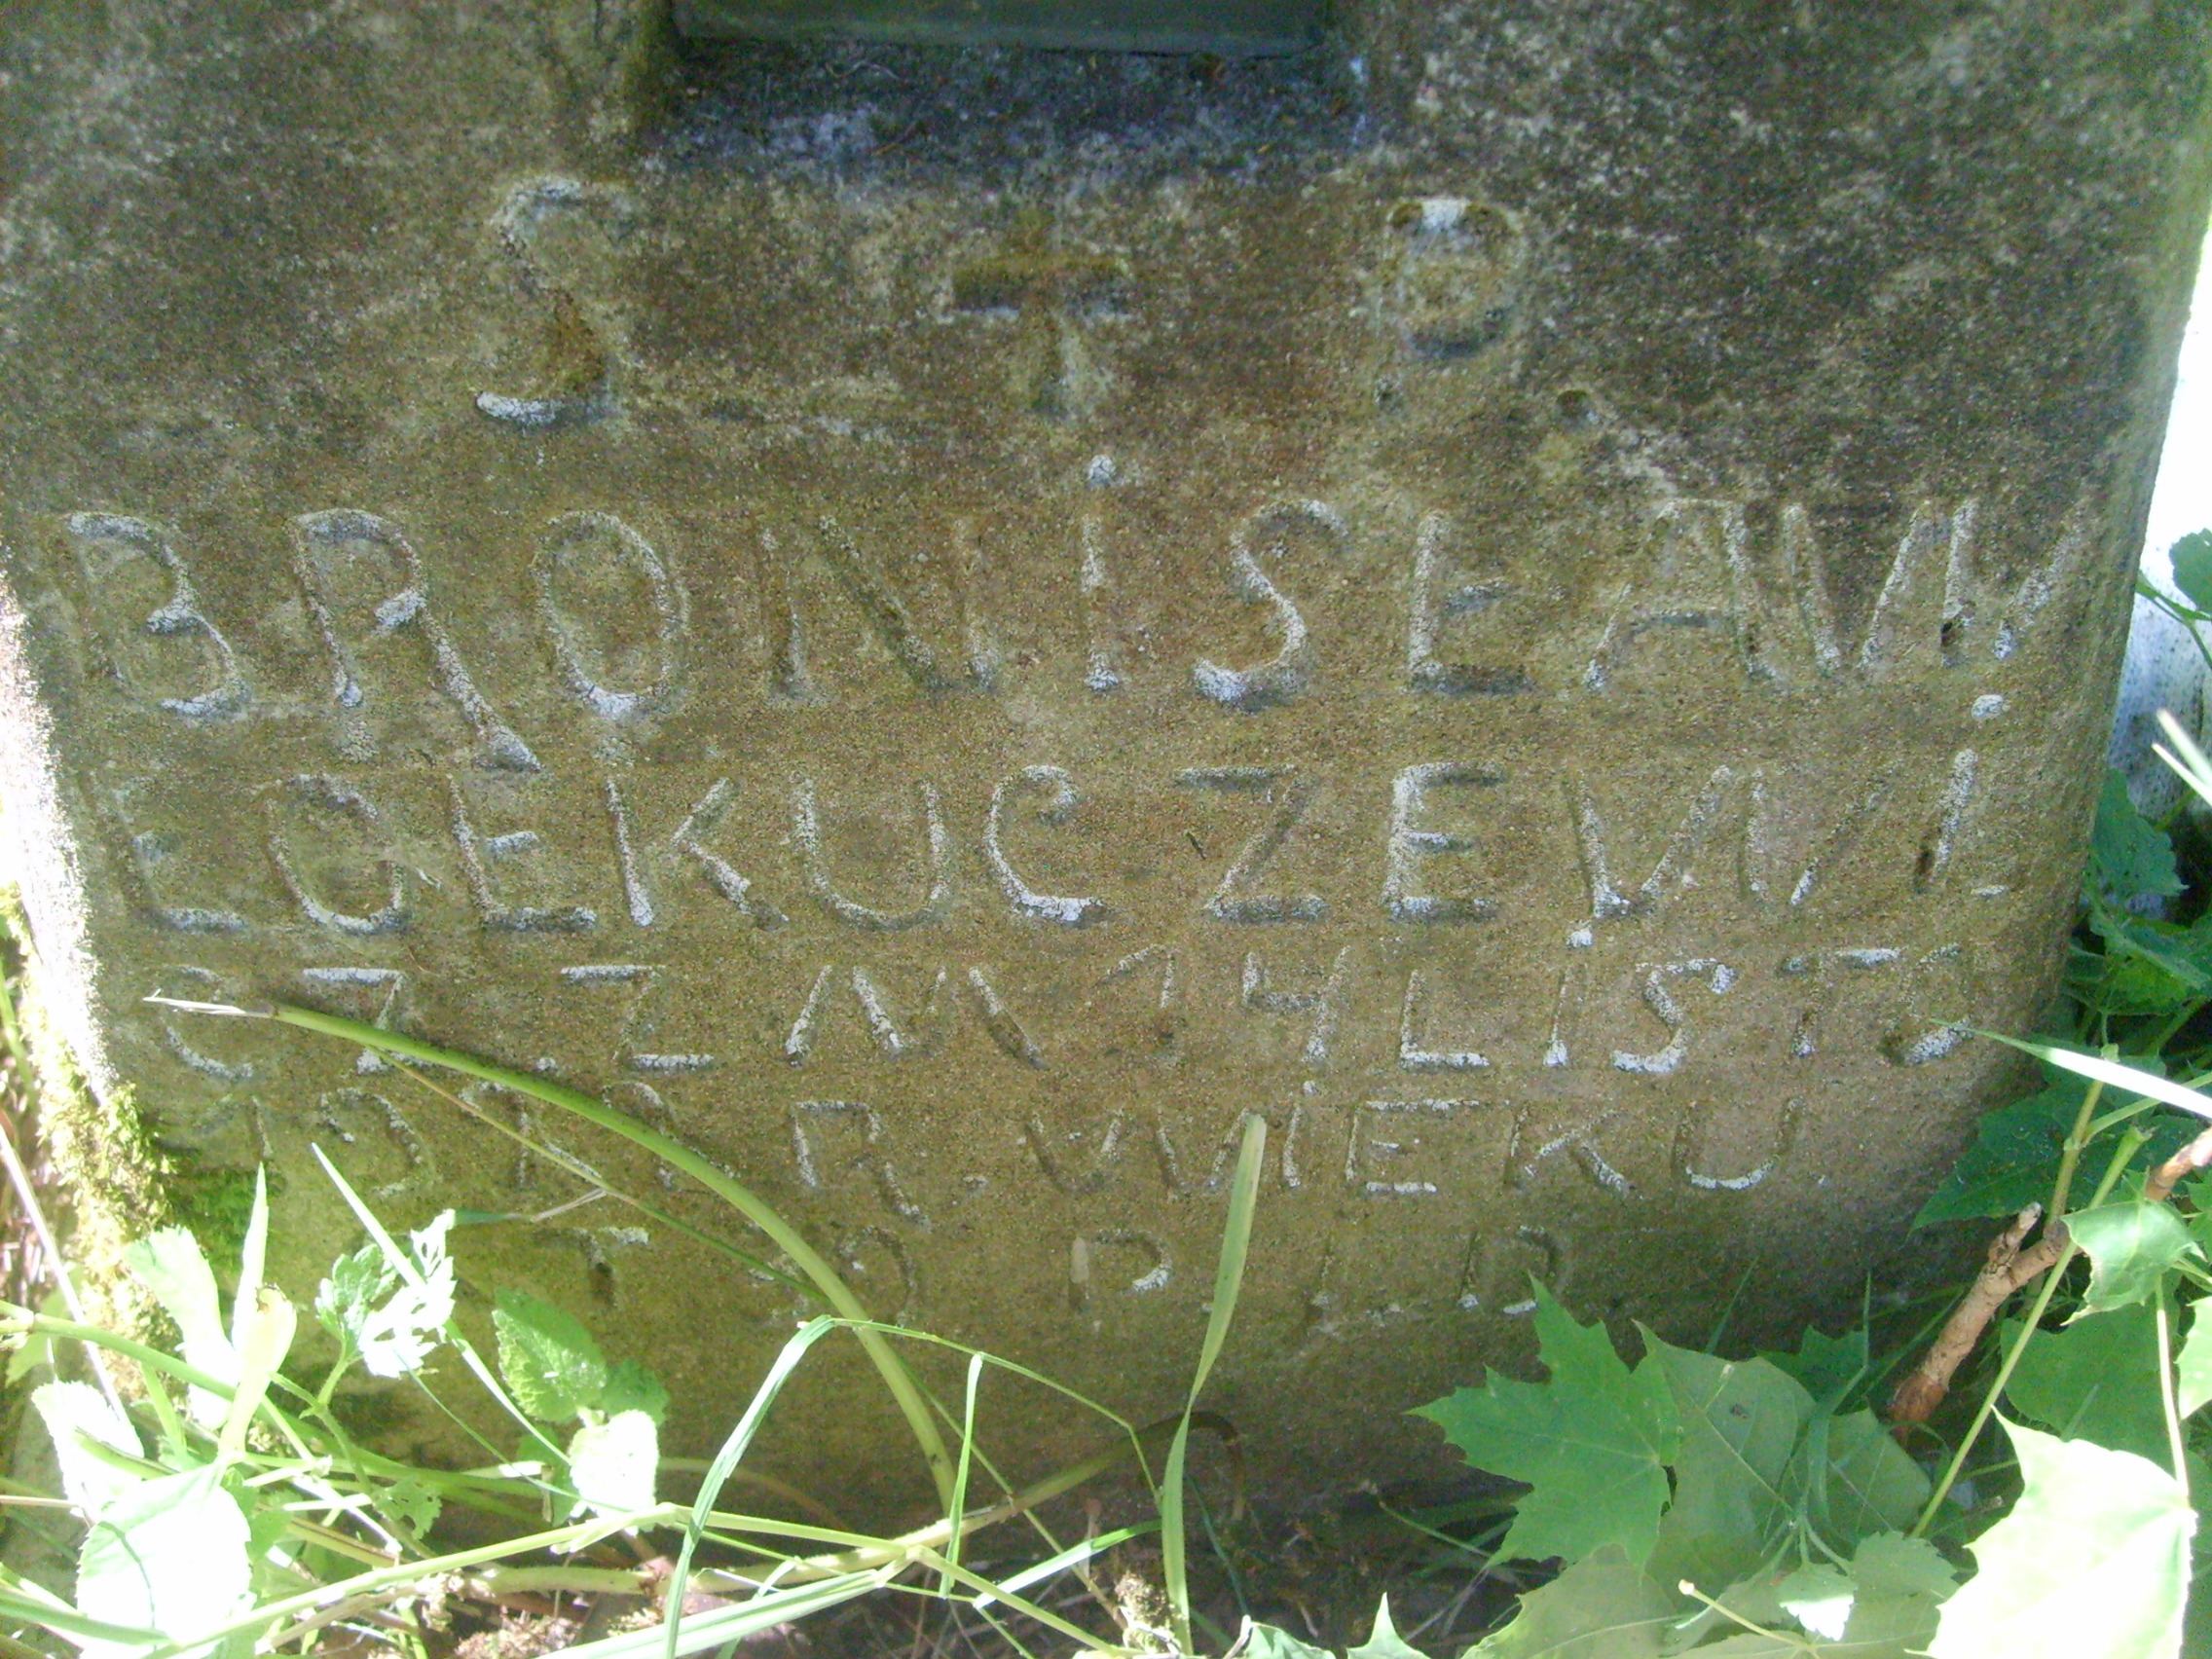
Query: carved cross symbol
1050	295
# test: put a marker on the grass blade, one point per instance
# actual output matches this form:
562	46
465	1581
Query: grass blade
2114	1075
718	1473
1228	1282
959	1510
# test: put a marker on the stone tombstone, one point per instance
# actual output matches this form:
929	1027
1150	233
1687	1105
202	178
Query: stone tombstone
1531	592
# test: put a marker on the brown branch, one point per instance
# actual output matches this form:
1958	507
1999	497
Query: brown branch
2184	1162
2006	1269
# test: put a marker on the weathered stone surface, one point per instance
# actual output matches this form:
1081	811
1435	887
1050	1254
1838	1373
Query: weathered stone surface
1533	595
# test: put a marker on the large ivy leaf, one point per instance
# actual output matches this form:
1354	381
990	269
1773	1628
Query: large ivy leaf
1604	1606
2096	1379
2130	857
1594	1441
167	1555
2129	1246
2092	1563
1741	1421
546	1357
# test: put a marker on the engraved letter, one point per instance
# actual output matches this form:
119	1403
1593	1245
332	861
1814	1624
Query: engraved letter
356	554
594	555
1365	1147
1700	576
416	1169
1104	671
1284	675
806	828
150	851
1413	1053
390	1007
332	797
122	558
1068	912
1326	1005
1696	1134
1926	607
1675	868
814	1120
1409	797
1433	609
496	915
1522	1160
689	841
1149	1247
1663	1063
1231	901
636	1028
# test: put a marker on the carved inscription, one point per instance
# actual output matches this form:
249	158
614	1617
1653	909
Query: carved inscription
918	897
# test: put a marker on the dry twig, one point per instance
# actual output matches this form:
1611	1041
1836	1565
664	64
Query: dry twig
2184	1163
2007	1267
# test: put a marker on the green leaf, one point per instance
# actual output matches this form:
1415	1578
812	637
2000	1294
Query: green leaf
1819	1597
1825	1365
167	1555
2130	1247
2092	1563
2096	1379
2130	857
2015	1159
169	1263
411	1501
1883	1608
1871	1486
1741	1420
344	1300
546	1357
2194	1364
1268	1642
611	1465
74	1412
1890	1563
631	1387
1594	1441
1602	1607
2193	567
396	1339
1895	1588
1383	1642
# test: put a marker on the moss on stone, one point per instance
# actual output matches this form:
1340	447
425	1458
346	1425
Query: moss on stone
120	1186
